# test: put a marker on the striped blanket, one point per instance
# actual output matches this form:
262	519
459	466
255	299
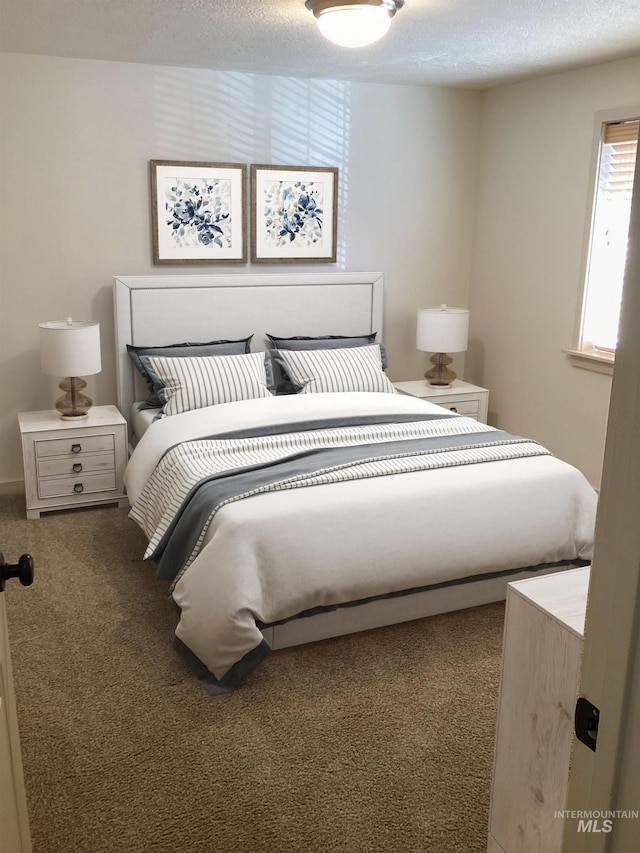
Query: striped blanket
196	478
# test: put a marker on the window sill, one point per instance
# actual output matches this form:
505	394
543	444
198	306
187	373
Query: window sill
594	360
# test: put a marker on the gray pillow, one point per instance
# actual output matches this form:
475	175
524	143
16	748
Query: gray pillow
184	350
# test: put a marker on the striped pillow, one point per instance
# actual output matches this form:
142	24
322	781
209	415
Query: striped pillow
184	350
193	383
342	369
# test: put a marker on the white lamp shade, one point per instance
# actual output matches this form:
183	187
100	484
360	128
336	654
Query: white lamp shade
442	329
70	347
354	26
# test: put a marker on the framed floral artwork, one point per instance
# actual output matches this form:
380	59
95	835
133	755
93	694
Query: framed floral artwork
198	212
294	214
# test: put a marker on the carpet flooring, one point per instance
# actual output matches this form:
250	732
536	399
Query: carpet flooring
380	742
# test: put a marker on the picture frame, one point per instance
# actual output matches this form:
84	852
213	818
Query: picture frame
198	212
294	214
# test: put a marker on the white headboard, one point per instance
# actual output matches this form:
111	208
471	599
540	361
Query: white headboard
167	309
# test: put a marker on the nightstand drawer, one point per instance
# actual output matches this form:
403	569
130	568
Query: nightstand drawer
62	486
74	445
468	408
76	464
470	401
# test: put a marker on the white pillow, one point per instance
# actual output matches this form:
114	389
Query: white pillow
193	383
341	369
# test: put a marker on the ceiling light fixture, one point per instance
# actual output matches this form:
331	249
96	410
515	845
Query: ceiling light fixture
354	24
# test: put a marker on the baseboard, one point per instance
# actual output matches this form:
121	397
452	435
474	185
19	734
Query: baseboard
12	488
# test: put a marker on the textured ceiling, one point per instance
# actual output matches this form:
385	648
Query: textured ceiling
468	43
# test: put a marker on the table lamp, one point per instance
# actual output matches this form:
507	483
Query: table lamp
440	331
71	348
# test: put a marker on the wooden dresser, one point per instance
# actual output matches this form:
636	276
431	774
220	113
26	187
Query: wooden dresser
538	689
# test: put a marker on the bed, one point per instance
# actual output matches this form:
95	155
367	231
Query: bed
287	518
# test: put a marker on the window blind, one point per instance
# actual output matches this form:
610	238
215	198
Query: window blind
618	159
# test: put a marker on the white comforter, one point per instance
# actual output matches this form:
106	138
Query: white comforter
271	556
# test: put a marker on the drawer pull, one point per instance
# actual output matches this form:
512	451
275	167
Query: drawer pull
78	487
77	467
76	448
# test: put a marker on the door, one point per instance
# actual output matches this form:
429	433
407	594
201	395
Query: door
605	783
13	801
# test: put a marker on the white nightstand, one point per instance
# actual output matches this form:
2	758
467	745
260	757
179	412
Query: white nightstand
462	397
73	463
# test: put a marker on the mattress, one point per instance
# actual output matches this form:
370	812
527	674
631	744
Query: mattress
141	418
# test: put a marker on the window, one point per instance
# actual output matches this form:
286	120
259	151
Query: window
608	237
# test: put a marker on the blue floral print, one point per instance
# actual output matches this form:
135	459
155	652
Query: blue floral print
199	212
293	212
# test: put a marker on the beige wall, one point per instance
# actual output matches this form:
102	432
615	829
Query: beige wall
75	140
535	180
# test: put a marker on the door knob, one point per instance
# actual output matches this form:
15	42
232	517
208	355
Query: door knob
23	570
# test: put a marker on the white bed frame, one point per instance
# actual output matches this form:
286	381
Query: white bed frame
165	309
